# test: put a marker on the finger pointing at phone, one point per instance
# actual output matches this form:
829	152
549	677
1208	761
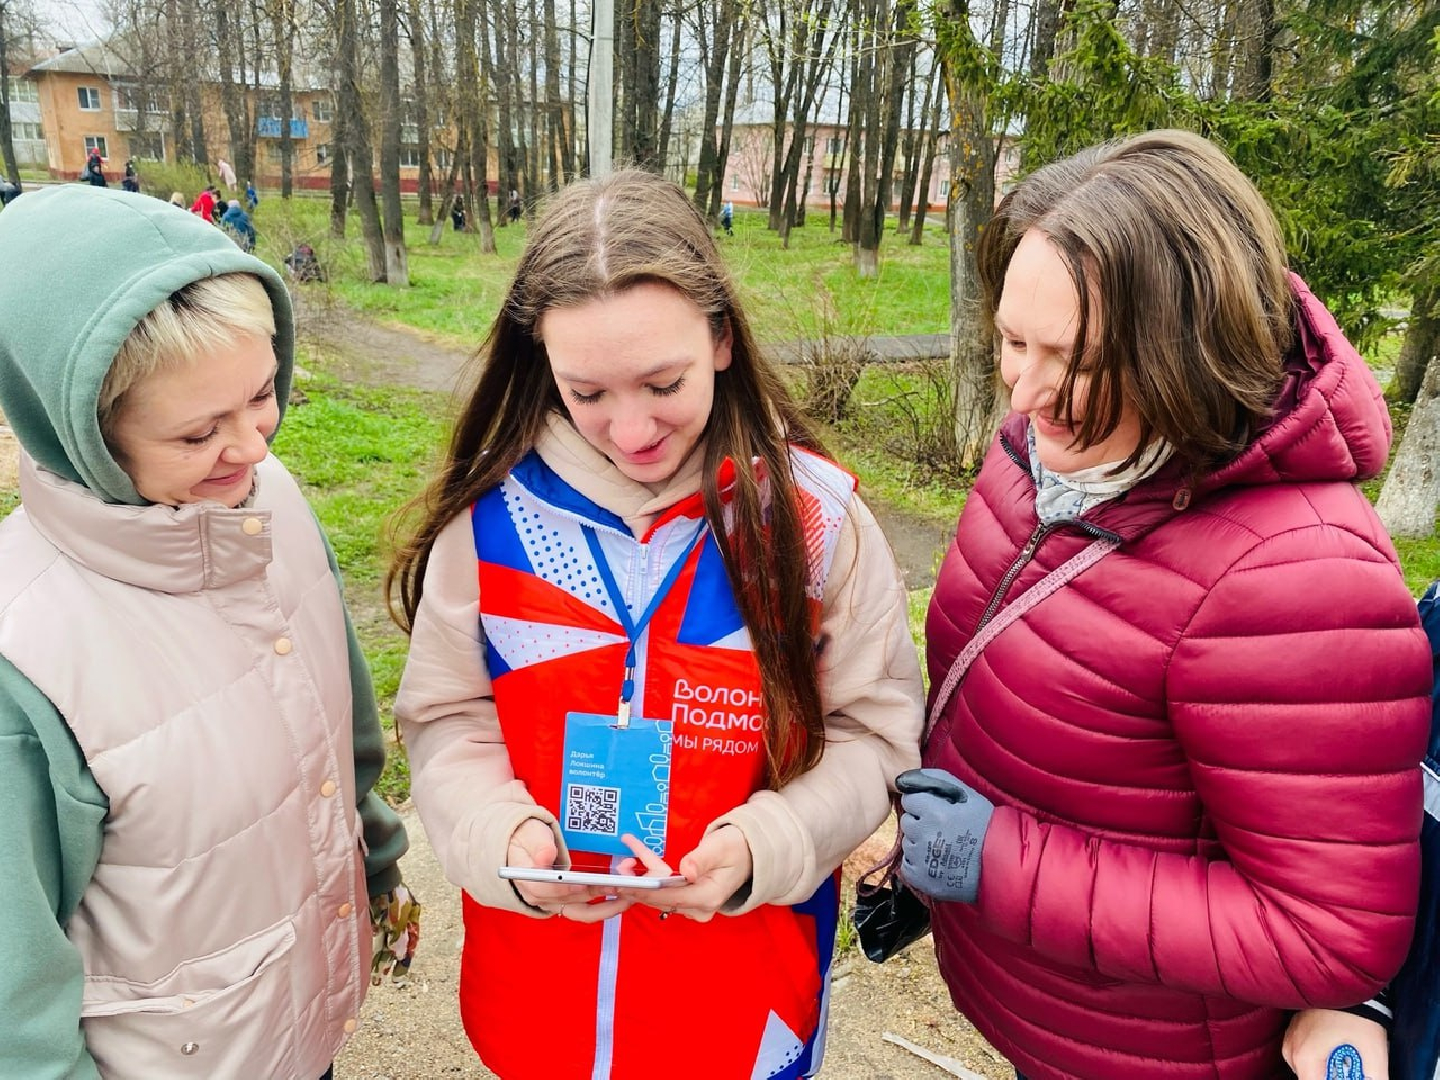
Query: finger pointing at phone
717	869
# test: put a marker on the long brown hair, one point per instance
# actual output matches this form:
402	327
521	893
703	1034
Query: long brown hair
595	239
1182	261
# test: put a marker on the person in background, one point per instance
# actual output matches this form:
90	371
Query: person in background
197	868
457	213
130	181
237	223
177	199
637	549
1178	797
252	197
94	172
727	217
204	205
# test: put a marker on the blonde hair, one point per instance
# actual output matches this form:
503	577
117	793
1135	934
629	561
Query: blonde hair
205	315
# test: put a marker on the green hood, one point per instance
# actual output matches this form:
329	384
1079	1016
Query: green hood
83	266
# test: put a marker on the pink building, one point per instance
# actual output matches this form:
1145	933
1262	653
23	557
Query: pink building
825	162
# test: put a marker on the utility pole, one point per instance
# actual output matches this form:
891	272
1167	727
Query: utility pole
600	90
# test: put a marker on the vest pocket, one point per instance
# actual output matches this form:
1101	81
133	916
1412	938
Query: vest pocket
228	1014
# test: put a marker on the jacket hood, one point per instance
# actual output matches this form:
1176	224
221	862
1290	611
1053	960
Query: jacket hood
1330	421
95	262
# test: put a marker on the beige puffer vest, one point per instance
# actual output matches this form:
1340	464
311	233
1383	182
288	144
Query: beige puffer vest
199	656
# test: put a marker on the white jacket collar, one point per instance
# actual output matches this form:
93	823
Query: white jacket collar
595	476
168	549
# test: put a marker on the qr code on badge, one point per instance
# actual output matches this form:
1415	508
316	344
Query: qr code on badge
592	809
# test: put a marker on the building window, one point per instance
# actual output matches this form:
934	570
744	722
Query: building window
24	131
129	99
442	158
322	154
89	98
409	157
734	182
322	108
96	142
150	146
22	90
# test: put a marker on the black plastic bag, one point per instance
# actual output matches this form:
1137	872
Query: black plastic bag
888	916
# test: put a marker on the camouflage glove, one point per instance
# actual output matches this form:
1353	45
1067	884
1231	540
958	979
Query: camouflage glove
395	924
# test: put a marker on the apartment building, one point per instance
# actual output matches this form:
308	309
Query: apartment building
90	98
26	128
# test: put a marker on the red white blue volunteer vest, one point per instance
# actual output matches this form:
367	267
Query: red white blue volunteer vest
637	998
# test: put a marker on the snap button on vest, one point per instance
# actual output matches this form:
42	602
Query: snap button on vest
327	788
350	1024
251	526
283	646
344	910
189	1048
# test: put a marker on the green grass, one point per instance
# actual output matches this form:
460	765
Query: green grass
454	291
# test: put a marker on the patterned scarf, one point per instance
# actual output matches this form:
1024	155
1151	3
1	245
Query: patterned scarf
1067	496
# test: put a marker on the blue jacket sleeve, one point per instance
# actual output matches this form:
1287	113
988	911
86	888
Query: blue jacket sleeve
53	816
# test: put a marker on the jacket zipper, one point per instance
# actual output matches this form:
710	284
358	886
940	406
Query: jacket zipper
1028	551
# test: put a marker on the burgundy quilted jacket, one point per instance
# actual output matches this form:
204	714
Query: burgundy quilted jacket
1202	750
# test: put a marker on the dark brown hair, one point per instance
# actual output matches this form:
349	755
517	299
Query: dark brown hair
1180	261
595	239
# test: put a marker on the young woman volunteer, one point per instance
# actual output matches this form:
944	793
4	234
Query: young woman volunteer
652	630
1179	795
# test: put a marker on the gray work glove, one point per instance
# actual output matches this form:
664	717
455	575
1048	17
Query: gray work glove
942	834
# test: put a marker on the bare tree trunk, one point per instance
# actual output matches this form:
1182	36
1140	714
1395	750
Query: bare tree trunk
199	150
533	115
644	83
231	94
339	163
357	130
557	139
970	206
913	141
1421	344
480	140
7	138
572	169
929	148
727	122
811	65
1047	26
447	195
503	80
397	264
713	63
667	115
861	65
175	65
1412	489
424	180
873	76
284	20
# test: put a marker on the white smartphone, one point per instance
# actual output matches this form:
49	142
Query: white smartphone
584	877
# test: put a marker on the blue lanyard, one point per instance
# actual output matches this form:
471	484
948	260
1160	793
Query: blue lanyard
634	628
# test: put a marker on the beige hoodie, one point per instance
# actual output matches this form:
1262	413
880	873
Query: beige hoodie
461	779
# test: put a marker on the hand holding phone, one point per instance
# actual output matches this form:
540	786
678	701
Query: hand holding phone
589	878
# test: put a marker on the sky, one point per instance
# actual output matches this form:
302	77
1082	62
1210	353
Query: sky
73	20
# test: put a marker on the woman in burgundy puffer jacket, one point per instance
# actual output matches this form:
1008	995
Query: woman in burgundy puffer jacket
1180	796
